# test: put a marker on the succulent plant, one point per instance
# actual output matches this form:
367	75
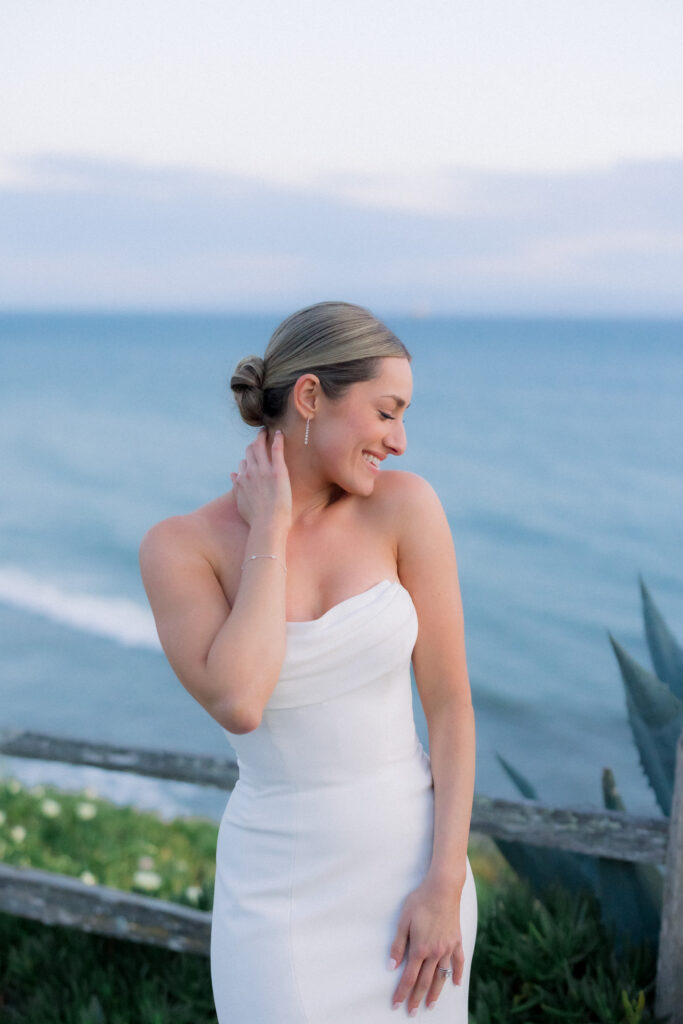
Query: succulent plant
630	895
656	718
666	654
543	866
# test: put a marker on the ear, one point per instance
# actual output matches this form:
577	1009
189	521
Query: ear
306	395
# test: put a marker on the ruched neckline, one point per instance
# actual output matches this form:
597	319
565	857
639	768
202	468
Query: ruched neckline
342	608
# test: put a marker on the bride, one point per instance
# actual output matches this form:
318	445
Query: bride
291	608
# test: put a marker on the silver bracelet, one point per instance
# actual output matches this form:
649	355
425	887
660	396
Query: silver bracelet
263	556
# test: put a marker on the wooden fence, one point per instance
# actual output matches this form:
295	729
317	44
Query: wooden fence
57	899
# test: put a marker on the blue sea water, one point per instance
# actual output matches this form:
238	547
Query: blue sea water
556	447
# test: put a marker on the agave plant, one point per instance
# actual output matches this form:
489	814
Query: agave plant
630	895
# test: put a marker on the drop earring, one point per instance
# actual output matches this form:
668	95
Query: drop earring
308	422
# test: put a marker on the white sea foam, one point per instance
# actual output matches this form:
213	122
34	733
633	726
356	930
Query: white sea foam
116	618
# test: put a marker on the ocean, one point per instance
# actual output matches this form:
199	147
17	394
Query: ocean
555	445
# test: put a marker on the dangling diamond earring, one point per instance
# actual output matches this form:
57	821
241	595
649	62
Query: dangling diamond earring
308	421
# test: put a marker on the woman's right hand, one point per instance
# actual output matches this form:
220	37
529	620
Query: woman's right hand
261	487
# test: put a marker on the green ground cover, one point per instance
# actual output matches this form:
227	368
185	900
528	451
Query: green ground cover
534	961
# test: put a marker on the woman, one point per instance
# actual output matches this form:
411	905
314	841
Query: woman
289	609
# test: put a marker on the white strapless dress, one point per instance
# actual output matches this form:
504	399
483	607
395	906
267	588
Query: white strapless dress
328	829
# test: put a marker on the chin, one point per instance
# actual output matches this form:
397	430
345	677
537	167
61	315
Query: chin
366	488
361	489
361	484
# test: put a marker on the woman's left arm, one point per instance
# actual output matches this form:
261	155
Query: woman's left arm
451	749
428	569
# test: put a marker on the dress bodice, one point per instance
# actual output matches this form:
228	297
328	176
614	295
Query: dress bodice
342	705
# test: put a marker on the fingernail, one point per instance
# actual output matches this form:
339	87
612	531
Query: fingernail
430	1006
395	1005
413	1012
392	964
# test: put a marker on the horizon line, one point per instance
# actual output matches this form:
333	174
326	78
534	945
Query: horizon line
405	313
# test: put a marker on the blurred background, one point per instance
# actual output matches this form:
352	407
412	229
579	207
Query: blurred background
501	181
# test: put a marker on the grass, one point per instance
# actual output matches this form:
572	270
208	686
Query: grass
533	961
53	975
92	839
536	962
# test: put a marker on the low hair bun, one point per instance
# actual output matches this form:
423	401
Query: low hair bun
339	343
247	386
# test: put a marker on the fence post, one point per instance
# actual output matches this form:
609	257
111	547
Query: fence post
669	998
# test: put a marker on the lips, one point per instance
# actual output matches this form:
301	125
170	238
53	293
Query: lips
371	459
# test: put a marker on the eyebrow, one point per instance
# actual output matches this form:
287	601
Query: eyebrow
400	402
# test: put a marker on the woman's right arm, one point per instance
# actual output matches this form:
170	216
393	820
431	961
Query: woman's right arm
229	659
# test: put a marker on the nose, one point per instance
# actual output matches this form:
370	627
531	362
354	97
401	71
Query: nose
395	438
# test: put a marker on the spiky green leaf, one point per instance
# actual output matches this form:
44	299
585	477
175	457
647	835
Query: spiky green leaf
519	780
666	653
656	718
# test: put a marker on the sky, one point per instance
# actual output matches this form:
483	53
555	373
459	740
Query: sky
494	156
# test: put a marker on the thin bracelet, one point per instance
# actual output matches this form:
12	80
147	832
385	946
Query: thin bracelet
263	556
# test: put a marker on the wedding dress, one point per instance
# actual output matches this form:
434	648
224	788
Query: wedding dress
328	829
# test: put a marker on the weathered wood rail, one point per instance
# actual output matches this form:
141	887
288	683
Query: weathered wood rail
160	764
58	899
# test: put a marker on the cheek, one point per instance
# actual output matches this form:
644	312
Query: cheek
343	436
333	449
340	440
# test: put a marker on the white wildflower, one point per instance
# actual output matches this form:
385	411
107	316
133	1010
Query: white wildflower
88	878
148	880
193	892
85	810
91	793
37	791
17	834
50	808
14	786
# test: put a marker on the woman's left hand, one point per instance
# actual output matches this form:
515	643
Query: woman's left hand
430	926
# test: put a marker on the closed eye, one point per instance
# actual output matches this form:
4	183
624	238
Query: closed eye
386	416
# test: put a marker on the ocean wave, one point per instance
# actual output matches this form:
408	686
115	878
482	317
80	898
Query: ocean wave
116	618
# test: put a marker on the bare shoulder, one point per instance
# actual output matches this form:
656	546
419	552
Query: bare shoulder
427	568
180	565
203	533
400	493
175	536
410	507
172	562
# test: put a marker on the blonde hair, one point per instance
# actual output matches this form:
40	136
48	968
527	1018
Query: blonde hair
338	342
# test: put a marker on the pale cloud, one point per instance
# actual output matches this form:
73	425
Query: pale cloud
92	234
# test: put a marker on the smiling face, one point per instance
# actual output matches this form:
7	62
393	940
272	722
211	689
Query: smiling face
351	436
